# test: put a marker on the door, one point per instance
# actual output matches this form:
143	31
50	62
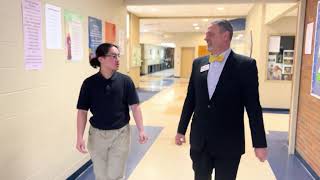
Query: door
203	51
187	56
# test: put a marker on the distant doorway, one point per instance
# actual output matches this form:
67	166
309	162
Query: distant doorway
187	56
203	51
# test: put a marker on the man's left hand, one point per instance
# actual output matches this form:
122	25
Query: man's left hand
261	153
143	138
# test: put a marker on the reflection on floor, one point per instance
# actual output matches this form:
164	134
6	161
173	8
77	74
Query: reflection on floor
163	160
157	81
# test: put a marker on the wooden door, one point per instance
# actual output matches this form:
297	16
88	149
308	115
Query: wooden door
187	56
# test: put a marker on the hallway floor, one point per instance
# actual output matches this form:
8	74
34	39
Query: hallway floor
161	159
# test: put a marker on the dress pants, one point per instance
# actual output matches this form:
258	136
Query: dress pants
203	163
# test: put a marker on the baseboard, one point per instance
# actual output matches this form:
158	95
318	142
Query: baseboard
276	110
82	169
307	166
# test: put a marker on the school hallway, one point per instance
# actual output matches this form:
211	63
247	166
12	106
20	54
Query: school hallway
161	159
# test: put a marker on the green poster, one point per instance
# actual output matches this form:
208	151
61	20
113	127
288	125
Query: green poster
74	36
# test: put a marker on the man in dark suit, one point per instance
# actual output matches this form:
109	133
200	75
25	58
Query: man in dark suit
220	87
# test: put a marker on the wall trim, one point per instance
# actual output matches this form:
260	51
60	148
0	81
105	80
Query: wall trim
307	166
296	77
82	169
276	110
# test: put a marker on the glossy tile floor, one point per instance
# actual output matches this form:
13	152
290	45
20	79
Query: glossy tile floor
161	159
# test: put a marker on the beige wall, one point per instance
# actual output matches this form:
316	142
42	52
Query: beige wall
276	94
38	108
273	94
192	40
134	71
276	10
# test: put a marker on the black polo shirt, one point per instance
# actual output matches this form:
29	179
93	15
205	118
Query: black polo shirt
108	100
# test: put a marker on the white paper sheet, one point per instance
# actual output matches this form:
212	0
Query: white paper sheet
53	27
274	44
32	32
308	39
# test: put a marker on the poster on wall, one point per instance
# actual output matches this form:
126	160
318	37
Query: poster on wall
32	34
73	35
53	27
280	58
95	35
315	80
110	32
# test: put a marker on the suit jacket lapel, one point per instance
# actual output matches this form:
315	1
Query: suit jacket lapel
204	76
224	74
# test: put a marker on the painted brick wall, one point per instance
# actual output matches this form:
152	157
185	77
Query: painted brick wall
308	122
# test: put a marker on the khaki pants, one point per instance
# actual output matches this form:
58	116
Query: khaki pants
109	151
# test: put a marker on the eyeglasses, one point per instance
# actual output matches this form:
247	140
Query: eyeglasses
114	56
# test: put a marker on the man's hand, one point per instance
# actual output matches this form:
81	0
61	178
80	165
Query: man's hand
81	146
180	139
261	153
143	138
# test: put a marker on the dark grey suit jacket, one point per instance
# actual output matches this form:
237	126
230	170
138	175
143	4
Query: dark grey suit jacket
217	123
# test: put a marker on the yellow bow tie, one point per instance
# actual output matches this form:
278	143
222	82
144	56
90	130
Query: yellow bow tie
214	58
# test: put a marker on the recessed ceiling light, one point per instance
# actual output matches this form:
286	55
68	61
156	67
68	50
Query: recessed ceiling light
197	28
220	8
194	24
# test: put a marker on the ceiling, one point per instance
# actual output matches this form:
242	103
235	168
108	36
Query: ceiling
170	2
196	10
174	25
182	18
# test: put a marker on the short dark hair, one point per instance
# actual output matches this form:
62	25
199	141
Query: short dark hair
224	25
101	50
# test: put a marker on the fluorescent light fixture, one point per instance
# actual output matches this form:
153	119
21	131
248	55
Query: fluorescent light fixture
205	20
220	8
197	28
172	45
154	9
194	24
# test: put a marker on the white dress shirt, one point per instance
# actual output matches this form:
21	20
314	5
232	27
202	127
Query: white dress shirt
215	72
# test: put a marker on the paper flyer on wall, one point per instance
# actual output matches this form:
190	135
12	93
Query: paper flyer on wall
32	34
110	32
95	35
73	35
274	44
53	27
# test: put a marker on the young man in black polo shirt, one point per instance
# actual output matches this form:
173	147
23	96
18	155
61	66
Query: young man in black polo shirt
108	94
